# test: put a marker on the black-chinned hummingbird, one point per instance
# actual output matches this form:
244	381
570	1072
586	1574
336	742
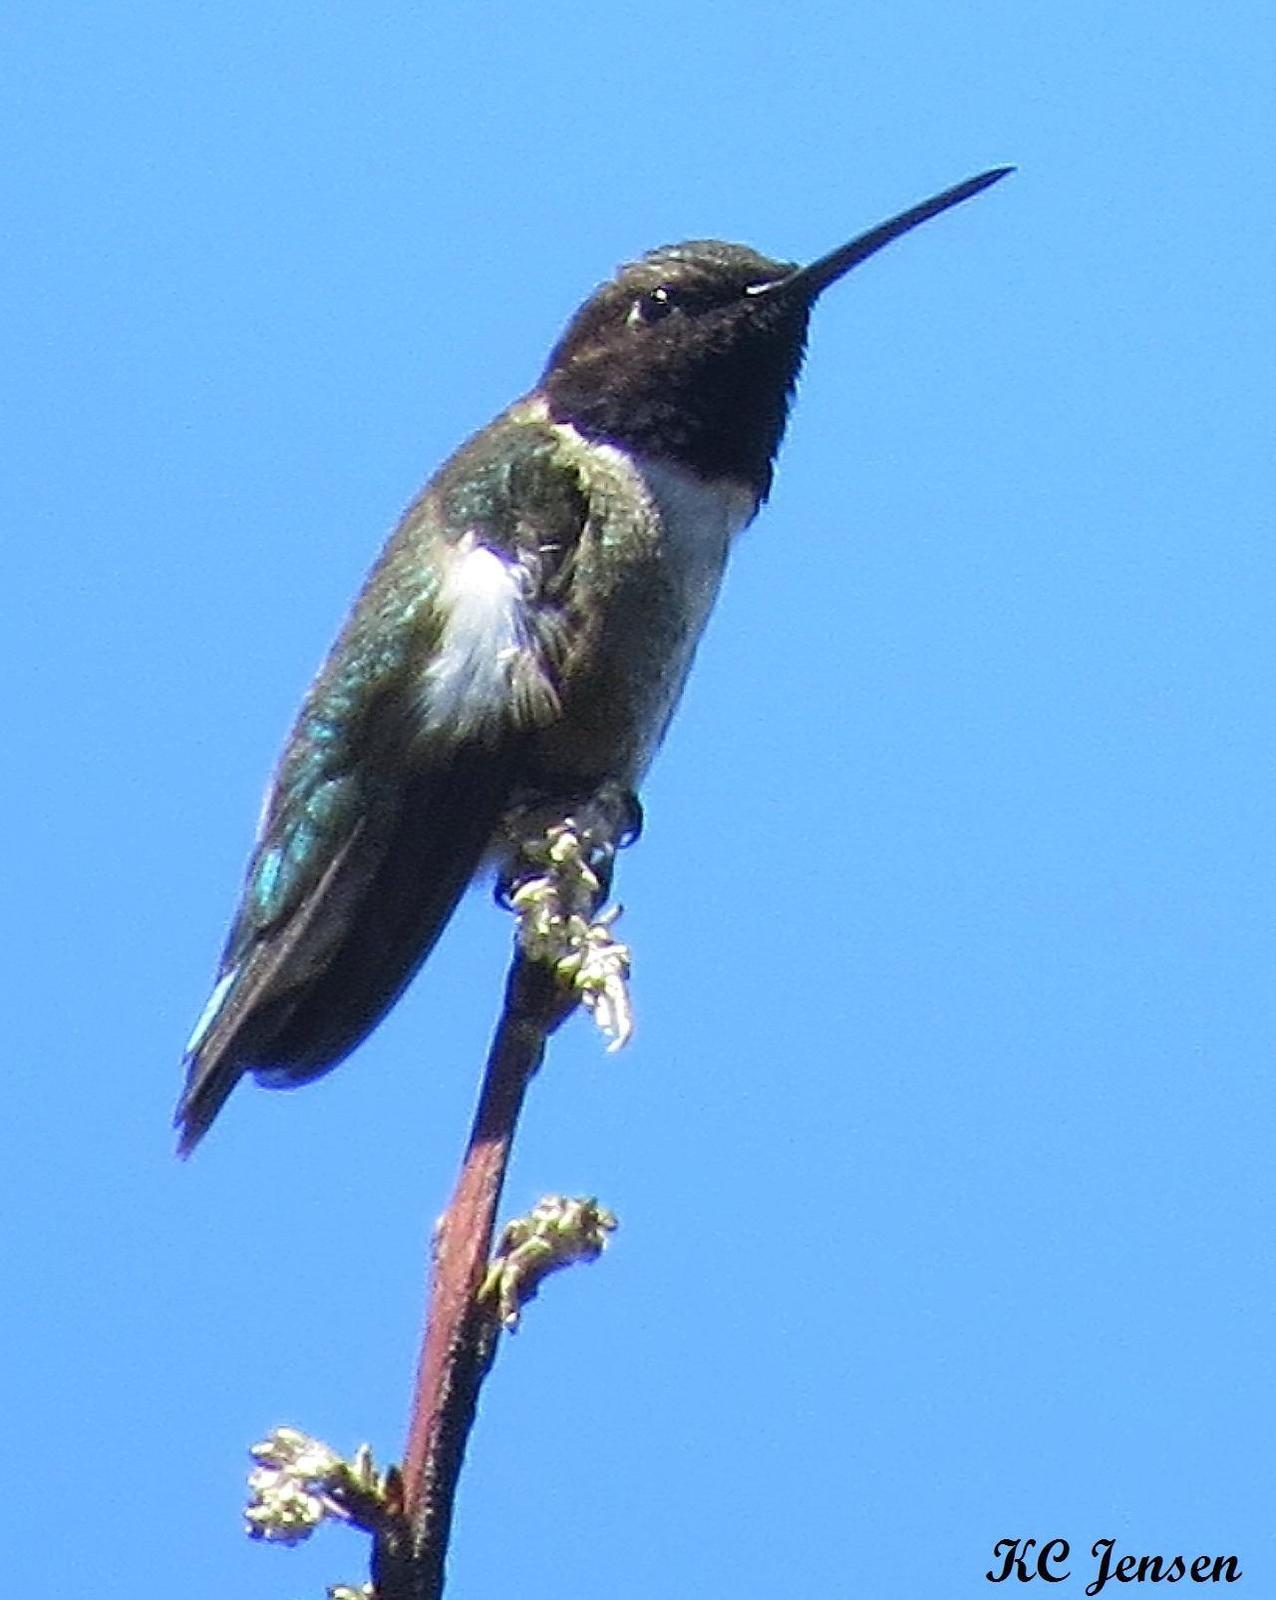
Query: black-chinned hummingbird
522	642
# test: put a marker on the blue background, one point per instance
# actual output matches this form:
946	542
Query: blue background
943	1151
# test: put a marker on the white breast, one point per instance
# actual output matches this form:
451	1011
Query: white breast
485	629
698	521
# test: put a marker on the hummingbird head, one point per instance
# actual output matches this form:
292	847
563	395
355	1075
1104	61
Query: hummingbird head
692	352
675	358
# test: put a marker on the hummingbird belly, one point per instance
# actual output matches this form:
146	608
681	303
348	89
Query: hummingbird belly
648	569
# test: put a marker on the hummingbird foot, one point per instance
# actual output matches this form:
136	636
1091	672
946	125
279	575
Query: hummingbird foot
559	926
566	874
556	1233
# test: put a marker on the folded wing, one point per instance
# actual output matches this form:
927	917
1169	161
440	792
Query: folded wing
404	757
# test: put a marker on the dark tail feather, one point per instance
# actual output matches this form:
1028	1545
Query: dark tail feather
207	1091
433	852
317	985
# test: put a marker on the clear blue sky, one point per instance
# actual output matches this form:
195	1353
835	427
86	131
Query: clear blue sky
943	1152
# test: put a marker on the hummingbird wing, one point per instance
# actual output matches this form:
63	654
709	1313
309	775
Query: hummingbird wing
402	761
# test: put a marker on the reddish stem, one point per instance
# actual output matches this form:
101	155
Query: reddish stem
460	1334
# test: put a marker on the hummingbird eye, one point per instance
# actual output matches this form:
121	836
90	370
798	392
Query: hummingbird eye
651	306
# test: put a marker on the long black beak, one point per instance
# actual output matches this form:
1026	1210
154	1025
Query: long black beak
811	280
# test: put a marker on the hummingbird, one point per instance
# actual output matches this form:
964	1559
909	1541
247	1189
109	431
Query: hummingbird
521	642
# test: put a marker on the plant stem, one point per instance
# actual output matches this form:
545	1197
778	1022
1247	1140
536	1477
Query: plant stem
461	1334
